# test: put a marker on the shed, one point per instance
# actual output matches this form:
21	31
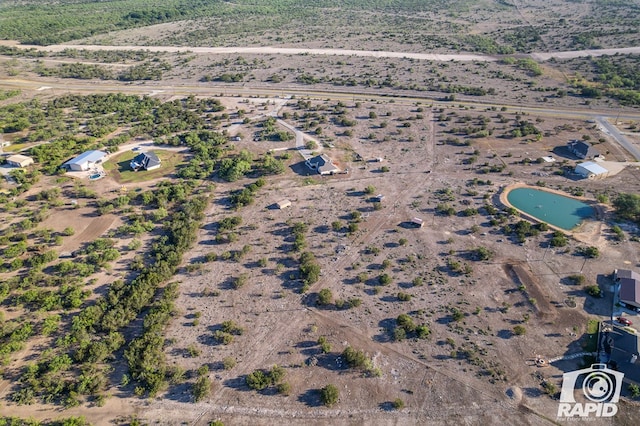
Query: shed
378	197
283	204
19	160
591	170
418	222
85	160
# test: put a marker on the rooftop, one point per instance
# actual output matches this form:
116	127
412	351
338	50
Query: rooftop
88	156
593	167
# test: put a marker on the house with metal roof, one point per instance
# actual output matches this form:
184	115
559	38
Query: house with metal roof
582	149
322	164
629	282
85	161
591	170
145	161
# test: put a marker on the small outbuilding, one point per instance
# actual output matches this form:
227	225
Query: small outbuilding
85	161
19	160
591	170
419	223
283	204
145	161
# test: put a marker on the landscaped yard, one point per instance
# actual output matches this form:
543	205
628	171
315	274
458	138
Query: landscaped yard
118	167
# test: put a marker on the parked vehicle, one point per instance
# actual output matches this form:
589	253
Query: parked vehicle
623	320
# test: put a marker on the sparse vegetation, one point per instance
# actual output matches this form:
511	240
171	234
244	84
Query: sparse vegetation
90	298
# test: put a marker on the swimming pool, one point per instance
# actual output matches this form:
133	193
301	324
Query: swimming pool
555	209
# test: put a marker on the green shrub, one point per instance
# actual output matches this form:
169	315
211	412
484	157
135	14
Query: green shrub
329	395
201	388
398	404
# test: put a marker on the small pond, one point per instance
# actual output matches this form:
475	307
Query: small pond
557	210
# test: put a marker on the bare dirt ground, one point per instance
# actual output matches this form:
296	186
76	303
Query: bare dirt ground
472	368
282	327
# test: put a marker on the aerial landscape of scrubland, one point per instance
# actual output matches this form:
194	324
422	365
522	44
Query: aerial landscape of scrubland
318	213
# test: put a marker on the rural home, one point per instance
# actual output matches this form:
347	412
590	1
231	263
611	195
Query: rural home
146	161
322	164
623	348
629	282
591	170
582	149
19	160
85	161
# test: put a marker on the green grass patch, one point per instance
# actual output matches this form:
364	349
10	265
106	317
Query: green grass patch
118	167
16	147
590	343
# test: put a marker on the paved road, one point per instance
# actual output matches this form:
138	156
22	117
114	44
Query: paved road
613	131
214	90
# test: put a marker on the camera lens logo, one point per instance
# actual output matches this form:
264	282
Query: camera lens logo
598	387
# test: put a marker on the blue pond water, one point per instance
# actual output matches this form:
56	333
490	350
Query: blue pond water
557	210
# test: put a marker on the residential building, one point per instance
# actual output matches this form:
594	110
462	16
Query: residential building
582	149
322	164
145	161
623	348
629	290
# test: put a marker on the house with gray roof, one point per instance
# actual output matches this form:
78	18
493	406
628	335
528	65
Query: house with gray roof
145	161
623	349
629	284
322	164
582	149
